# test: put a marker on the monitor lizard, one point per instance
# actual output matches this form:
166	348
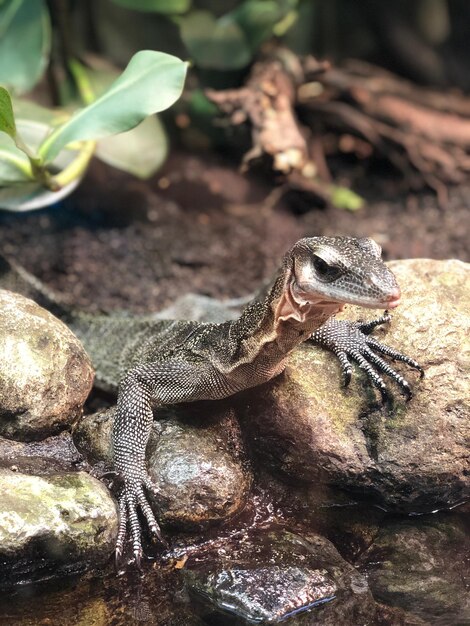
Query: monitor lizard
153	362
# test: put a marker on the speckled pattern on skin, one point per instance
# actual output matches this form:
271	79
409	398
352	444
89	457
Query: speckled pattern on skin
162	362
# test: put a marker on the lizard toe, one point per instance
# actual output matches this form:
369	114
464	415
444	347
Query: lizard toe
149	515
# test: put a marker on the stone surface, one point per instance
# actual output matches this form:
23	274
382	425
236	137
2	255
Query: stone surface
423	566
50	455
410	456
271	575
50	525
156	599
196	461
45	374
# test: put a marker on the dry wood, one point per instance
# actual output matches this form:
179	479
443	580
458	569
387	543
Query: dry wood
425	134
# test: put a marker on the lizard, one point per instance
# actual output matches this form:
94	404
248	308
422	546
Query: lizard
154	362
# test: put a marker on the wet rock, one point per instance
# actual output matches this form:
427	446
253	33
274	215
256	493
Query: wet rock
47	456
196	461
411	456
156	599
349	523
51	525
268	576
45	374
423	566
391	616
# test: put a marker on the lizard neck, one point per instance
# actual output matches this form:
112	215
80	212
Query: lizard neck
274	324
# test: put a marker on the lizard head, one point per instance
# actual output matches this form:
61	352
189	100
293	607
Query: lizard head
332	271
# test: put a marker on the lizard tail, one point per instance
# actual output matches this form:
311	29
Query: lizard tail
14	277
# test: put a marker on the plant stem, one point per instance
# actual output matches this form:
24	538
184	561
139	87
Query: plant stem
22	165
77	167
82	81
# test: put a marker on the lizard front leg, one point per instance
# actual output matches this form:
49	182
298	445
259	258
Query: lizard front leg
143	387
351	340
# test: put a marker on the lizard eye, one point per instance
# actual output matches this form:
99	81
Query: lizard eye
324	270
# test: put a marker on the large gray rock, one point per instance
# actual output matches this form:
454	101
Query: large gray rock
268	576
49	525
195	461
422	566
411	456
45	374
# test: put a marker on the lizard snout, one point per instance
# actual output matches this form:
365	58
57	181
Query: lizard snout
394	298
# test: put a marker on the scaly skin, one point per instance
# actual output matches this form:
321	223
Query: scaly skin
161	362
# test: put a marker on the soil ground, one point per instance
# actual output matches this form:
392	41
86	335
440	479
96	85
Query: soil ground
200	226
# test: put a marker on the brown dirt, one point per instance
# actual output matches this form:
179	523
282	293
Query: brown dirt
201	226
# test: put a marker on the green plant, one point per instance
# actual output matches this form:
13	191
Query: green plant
44	153
231	41
223	42
25	43
151	82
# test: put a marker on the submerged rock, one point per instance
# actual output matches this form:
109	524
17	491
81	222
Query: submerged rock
422	566
196	462
268	576
45	374
157	599
49	525
411	456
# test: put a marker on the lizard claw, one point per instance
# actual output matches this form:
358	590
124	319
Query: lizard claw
351	340
138	559
132	498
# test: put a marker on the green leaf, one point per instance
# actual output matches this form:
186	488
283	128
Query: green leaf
7	118
25	43
28	110
344	198
215	44
140	151
101	79
8	126
298	38
156	6
259	18
151	82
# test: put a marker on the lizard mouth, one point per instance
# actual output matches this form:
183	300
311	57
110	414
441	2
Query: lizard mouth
394	299
392	304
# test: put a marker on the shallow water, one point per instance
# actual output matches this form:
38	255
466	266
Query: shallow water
159	596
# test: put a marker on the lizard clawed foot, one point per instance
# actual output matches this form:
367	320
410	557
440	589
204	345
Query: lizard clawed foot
131	499
351	340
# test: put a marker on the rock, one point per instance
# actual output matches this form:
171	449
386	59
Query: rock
423	567
410	456
40	457
391	616
45	374
198	308
349	523
92	436
270	575
196	461
158	598
53	525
